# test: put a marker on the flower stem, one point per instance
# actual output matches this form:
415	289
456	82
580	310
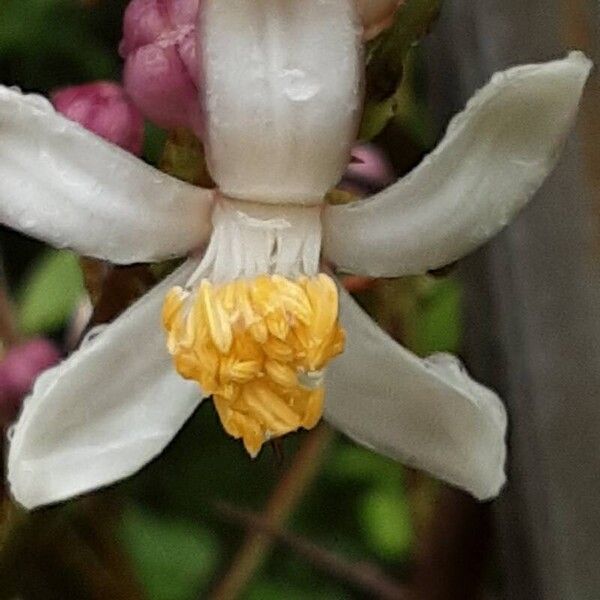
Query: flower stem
365	576
285	498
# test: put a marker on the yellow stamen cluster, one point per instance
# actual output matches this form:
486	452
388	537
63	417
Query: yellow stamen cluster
259	346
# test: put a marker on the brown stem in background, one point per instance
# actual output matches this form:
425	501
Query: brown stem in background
368	577
283	501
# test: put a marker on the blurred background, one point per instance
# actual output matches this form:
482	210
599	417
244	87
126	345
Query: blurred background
321	517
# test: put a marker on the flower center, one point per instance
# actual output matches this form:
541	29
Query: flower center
255	328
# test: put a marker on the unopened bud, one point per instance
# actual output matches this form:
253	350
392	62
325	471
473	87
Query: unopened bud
161	63
377	15
104	108
369	171
19	369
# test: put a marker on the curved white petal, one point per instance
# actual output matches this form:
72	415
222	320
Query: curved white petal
282	93
104	412
493	158
64	185
427	413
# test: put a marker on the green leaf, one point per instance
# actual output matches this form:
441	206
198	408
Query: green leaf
50	293
173	558
350	462
386	522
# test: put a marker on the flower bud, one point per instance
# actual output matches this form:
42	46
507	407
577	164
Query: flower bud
369	171
18	370
376	15
104	108
161	63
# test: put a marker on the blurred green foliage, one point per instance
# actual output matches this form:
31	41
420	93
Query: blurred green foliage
172	557
174	541
49	293
49	43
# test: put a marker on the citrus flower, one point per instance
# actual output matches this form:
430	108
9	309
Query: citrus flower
251	317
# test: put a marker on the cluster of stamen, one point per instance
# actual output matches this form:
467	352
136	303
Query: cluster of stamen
259	347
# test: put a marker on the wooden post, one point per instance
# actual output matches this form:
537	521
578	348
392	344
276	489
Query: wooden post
533	304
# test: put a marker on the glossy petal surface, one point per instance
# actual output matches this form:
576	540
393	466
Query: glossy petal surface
428	414
66	186
494	157
103	413
282	85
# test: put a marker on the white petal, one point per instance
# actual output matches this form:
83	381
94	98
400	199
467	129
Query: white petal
494	157
282	93
427	413
64	185
104	412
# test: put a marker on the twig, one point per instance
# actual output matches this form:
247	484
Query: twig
286	496
363	575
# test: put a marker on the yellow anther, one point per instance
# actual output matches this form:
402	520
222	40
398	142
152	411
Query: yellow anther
253	345
282	374
172	306
294	299
216	317
271	409
323	298
238	371
314	408
278	350
259	331
278	324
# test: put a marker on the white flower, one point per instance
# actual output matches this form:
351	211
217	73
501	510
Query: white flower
283	95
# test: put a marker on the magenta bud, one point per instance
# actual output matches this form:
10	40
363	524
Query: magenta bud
369	171
144	21
104	108
19	369
161	62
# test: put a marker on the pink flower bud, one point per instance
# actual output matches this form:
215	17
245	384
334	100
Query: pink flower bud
104	108
377	15
368	172
19	369
161	63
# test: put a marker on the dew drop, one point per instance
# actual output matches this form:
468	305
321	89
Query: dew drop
298	85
